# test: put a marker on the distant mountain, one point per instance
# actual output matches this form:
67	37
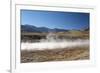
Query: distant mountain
87	29
31	28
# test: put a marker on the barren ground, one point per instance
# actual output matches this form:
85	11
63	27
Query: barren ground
66	54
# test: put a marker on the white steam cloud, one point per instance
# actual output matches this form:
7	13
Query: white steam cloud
53	42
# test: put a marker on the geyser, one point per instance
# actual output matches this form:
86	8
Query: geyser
53	45
53	42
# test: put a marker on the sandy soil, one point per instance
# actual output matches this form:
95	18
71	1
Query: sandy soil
66	54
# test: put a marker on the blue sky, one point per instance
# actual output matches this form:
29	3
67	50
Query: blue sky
55	19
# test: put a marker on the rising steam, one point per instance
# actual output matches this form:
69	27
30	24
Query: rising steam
53	42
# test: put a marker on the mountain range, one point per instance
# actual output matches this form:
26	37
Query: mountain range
31	28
